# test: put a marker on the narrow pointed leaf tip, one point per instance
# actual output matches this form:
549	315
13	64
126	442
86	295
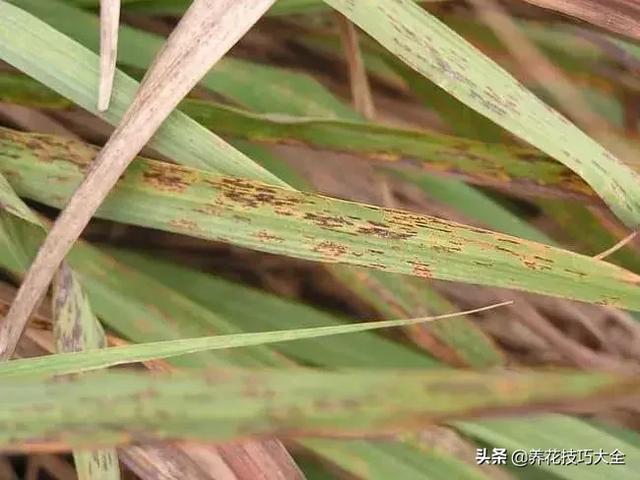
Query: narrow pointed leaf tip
77	362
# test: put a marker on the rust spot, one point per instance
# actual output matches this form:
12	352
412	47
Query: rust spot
328	221
506	250
446	249
182	224
385	233
254	194
508	240
331	249
265	236
533	265
575	272
167	177
421	269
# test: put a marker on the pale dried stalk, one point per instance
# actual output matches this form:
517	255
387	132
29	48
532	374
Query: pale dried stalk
360	88
109	21
617	246
206	32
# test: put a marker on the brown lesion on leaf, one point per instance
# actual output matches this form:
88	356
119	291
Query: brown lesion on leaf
446	249
577	273
167	177
328	221
420	269
385	233
254	194
267	237
331	249
512	241
543	259
534	265
182	224
49	148
500	248
210	209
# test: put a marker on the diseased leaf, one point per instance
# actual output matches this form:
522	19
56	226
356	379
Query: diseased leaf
204	34
75	328
513	168
221	405
278	91
254	215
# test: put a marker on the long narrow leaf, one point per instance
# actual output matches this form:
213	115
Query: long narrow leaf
221	405
96	359
258	216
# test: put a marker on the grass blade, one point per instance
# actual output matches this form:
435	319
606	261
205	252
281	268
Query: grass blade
278	90
97	359
221	405
73	71
542	433
271	219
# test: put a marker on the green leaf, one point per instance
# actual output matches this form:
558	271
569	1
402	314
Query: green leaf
227	404
382	460
134	303
81	361
546	432
10	203
254	215
283	91
430	47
